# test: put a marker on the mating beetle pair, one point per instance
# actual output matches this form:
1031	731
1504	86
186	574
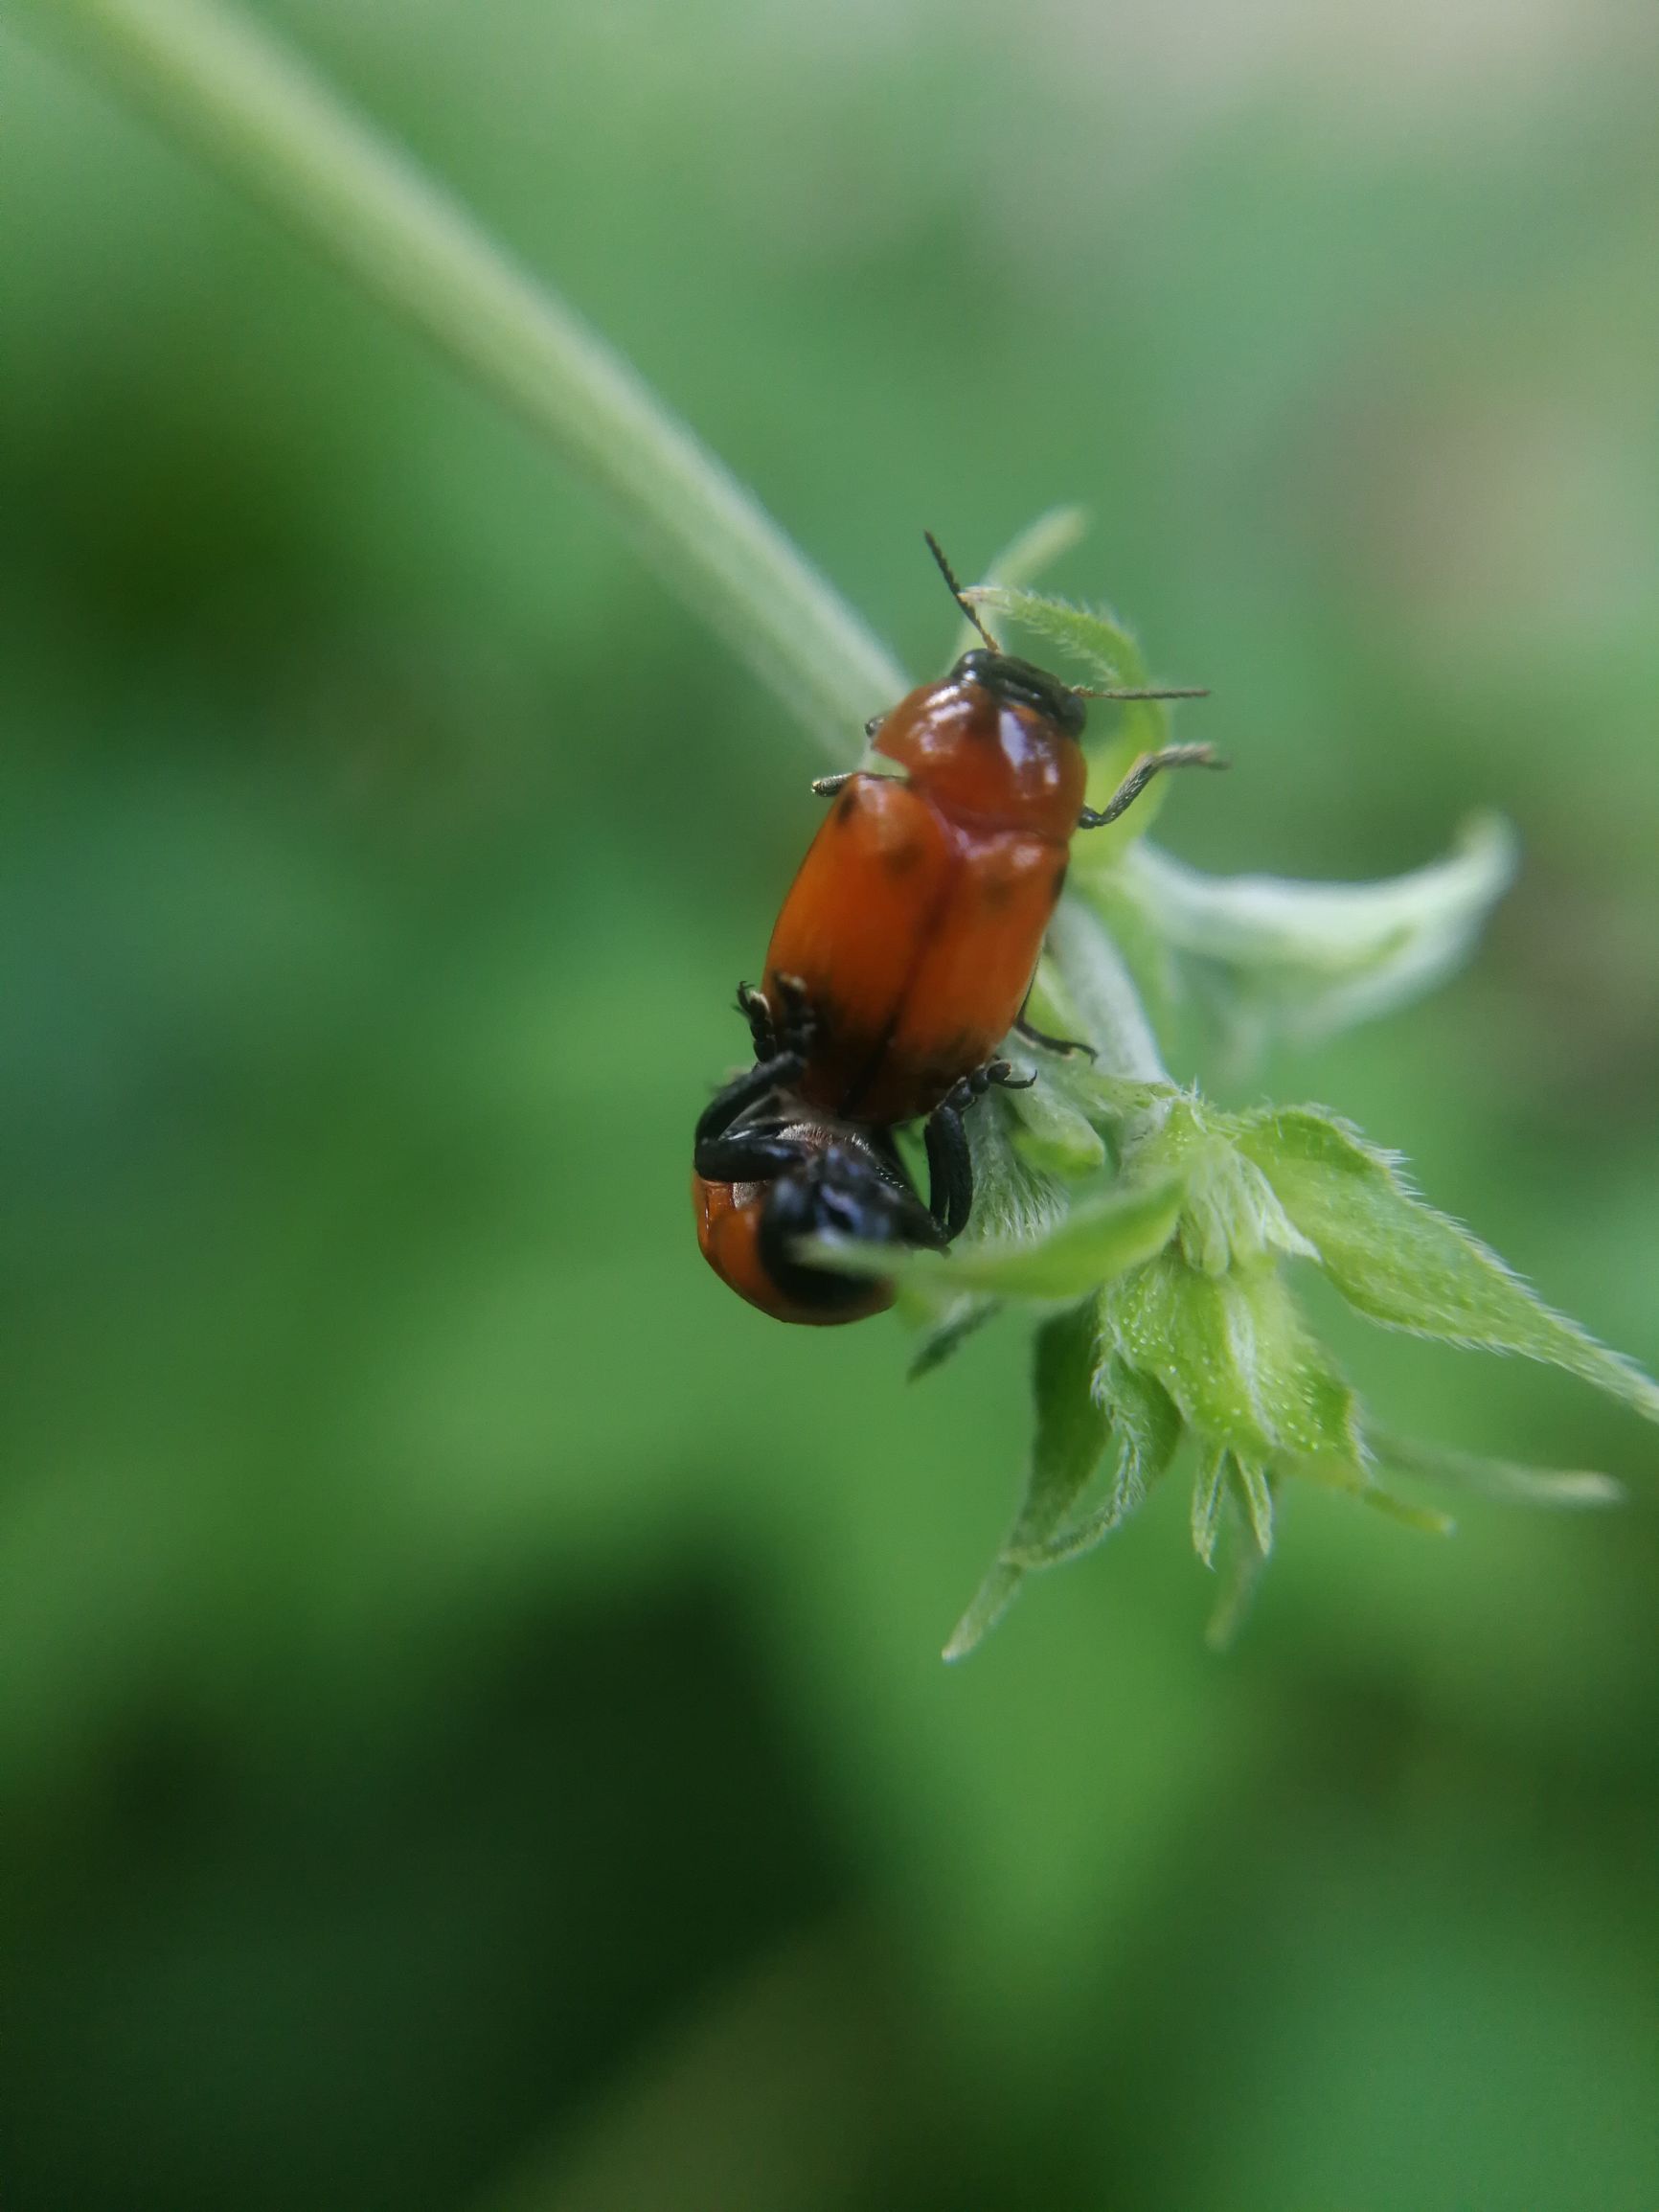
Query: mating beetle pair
902	958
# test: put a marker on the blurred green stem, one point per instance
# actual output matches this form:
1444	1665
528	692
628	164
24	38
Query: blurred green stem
232	94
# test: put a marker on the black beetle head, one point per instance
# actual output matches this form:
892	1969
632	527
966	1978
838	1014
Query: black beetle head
847	1190
1020	683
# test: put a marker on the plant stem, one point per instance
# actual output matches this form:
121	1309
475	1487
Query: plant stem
231	93
1105	995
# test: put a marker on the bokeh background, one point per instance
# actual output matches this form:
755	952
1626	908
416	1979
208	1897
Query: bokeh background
471	1731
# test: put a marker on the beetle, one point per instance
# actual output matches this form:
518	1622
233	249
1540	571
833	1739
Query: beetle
769	1170
918	916
903	953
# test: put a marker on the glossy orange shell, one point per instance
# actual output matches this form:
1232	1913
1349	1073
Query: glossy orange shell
728	1225
918	915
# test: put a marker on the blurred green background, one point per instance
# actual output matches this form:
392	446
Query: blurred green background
471	1729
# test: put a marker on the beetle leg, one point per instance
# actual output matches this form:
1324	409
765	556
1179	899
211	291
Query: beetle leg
999	1072
1034	1035
797	1025
752	1006
743	1092
1140	775
750	1156
949	1162
793	1030
949	1165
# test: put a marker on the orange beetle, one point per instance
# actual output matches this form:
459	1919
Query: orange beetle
807	1176
904	954
913	925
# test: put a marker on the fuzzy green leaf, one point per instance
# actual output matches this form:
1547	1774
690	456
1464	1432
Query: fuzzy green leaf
1071	1435
1398	1261
1098	1240
1146	1421
1098	988
1050	1131
1255	1494
942	1335
1239	1565
1232	1353
1104	645
1015	1200
1209	1488
1025	557
1145	1434
1071	1427
1233	1216
1278	957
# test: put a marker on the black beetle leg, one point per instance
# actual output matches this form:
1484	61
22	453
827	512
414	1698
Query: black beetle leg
949	1161
796	1024
750	1156
949	1167
998	1072
738	1096
1034	1035
752	1006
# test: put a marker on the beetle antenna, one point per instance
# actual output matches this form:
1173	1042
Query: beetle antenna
969	612
1083	692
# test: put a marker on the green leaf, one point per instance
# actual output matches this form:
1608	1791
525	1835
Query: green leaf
1071	1428
1273	956
1015	1199
1071	1435
1505	1480
1095	639
1233	1216
1145	1421
1234	1354
990	1601
1424	1518
1099	987
1398	1261
1099	1238
1145	952
1255	1494
1025	557
1145	1431
944	1333
1241	1565
1209	1488
1050	1131
1355	1479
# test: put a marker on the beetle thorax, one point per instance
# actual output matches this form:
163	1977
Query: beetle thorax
988	762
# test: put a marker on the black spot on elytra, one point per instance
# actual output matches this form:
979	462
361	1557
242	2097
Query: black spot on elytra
846	806
1059	882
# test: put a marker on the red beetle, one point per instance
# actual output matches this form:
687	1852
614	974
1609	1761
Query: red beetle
902	956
